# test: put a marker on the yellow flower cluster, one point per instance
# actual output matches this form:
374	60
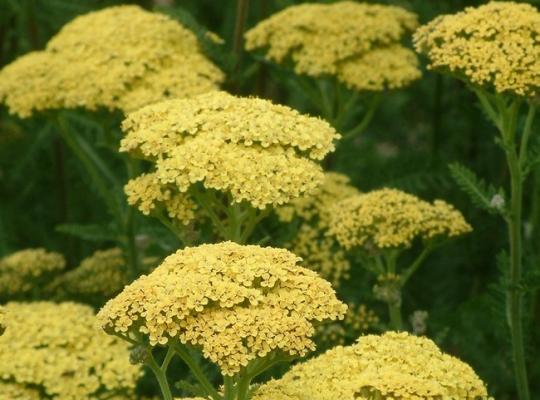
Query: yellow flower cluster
358	320
20	271
150	196
393	366
319	250
58	348
389	218
14	391
321	253
359	43
120	58
494	45
257	151
101	273
236	302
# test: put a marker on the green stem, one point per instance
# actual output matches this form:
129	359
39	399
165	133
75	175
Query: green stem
415	265
160	376
394	308
394	311
525	136
207	204
514	295
368	116
196	371
228	384
102	186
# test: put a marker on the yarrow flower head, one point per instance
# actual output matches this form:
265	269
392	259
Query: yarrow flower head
59	349
236	302
494	45
20	271
390	218
392	366
102	273
119	58
256	151
319	250
359	43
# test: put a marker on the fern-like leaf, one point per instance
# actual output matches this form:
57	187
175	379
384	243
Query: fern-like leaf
482	195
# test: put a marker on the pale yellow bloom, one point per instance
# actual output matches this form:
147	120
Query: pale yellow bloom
390	218
494	45
256	151
60	349
388	367
149	195
356	42
119	58
319	250
101	273
20	271
235	302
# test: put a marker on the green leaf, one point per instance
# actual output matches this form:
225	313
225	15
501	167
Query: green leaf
482	195
90	232
191	389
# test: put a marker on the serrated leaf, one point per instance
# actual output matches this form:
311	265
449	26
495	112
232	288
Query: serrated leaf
90	232
482	195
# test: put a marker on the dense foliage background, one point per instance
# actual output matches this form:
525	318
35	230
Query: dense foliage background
415	134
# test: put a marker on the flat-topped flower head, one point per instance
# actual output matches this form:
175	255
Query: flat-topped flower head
59	349
256	151
390	218
494	45
102	273
235	302
392	366
317	249
19	271
337	38
120	57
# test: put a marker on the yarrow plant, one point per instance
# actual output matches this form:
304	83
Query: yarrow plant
244	307
494	50
393	366
120	59
357	45
231	157
58	350
380	225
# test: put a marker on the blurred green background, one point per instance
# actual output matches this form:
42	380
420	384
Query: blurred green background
415	134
